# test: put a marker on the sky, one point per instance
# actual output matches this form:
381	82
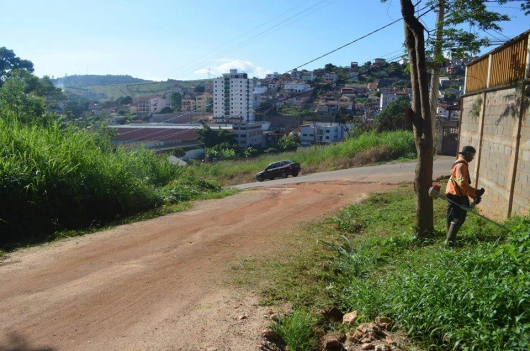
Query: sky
199	39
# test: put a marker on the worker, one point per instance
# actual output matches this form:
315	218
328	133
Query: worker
458	192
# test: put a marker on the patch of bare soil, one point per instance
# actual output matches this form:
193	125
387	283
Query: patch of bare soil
160	284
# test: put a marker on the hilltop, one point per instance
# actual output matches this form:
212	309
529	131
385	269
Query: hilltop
112	87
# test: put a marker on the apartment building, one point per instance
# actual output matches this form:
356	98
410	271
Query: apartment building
388	98
203	101
188	103
150	104
248	134
322	133
232	97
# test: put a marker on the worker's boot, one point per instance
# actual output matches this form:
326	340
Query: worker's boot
451	234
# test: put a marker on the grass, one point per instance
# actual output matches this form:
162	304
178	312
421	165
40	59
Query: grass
366	258
59	179
115	91
295	330
369	148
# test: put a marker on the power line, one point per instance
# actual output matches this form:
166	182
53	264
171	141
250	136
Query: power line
328	53
263	33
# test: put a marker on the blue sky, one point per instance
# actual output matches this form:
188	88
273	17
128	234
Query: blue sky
161	39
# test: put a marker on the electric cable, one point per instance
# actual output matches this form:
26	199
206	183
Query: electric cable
253	39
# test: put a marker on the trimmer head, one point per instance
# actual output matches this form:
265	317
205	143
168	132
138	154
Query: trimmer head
434	192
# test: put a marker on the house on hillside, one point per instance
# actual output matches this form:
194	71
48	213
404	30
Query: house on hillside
296	87
203	101
323	133
146	105
379	62
188	103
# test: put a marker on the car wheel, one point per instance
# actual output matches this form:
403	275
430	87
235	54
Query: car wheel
259	178
284	175
295	174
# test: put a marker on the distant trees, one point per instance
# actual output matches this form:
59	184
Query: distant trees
26	97
175	100
74	109
199	89
9	62
393	117
124	100
90	80
210	137
329	67
287	143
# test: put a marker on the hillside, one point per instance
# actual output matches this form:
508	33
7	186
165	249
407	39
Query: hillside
111	87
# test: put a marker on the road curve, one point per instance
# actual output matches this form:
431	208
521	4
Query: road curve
391	173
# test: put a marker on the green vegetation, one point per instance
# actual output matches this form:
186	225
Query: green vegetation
57	178
366	258
60	178
112	87
295	330
393	117
368	148
93	80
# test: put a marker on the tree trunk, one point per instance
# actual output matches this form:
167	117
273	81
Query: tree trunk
435	77
421	119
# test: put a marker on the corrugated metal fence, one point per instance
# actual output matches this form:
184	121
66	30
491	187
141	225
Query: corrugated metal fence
501	67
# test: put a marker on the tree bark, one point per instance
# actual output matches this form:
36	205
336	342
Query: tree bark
421	119
435	76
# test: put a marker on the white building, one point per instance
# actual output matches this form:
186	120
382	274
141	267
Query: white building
233	97
274	75
248	134
331	76
296	87
388	98
323	133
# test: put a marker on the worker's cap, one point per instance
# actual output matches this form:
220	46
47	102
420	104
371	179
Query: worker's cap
468	150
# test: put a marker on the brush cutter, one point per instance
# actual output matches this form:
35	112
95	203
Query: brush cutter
434	192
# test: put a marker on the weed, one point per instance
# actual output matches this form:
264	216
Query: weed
474	297
296	330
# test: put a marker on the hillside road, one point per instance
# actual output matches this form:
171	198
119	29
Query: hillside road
168	283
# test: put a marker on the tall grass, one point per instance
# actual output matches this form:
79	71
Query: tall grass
472	297
368	148
56	178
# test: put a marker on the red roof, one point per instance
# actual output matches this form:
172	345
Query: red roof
155	134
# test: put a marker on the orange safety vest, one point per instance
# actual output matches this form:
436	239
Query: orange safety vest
459	183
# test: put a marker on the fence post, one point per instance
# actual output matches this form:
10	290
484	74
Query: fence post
514	159
528	57
480	134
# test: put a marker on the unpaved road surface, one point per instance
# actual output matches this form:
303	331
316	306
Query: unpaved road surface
161	284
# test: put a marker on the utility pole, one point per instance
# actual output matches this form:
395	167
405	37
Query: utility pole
435	77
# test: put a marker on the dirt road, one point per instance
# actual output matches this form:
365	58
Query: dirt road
159	284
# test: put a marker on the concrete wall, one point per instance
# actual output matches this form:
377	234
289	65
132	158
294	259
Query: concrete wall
492	122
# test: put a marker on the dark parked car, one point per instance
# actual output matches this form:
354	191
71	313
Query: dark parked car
280	169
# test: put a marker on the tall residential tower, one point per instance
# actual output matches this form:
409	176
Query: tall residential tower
232	97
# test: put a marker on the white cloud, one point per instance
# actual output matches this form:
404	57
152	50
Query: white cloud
225	65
